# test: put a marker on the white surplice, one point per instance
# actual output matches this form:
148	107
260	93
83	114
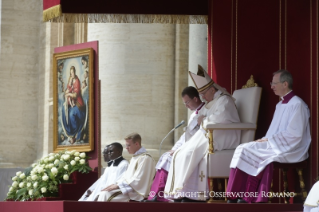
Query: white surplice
312	202
165	160
110	176
288	139
188	173
136	182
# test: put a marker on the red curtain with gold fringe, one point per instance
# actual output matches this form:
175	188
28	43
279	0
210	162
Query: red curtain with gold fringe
119	10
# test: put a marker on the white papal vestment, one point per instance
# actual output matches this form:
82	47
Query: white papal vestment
110	176
136	181
312	202
165	160
288	139
188	173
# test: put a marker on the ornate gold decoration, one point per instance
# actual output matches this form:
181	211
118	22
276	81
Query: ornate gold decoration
250	83
52	12
124	18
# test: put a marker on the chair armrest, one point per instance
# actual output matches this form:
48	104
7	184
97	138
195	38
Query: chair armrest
232	126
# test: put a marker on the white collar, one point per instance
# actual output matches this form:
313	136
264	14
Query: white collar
140	151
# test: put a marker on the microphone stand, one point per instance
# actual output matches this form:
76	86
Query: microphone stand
164	139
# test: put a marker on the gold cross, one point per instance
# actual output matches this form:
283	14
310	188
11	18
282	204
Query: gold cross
201	176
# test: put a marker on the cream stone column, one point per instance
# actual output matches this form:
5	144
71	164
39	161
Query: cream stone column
197	49
19	64
136	63
181	76
48	41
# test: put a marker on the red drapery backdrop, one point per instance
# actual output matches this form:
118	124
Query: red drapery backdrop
248	37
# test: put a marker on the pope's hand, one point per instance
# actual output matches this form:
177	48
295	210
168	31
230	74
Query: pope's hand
262	140
111	187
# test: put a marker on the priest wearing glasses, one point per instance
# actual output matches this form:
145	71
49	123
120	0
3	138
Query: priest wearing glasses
286	141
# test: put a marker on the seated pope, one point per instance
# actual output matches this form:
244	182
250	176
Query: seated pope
187	176
136	181
116	166
312	202
286	141
192	101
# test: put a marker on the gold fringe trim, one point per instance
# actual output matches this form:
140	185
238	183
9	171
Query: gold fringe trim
129	18
52	12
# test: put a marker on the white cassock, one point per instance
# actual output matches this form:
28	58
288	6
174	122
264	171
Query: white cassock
188	174
288	140
165	160
110	176
136	182
312	202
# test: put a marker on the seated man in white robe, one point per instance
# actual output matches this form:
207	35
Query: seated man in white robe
287	141
136	181
116	167
192	101
187	178
312	202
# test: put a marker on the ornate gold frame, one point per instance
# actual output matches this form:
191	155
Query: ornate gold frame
90	114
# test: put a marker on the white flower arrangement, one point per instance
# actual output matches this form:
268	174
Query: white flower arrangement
42	178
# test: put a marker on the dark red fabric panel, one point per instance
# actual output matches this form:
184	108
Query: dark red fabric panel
183	7
315	66
209	40
258	52
298	56
50	3
74	206
298	46
222	43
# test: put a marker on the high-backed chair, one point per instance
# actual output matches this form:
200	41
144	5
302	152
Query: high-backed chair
247	103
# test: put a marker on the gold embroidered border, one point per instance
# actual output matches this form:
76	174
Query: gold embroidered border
113	196
173	177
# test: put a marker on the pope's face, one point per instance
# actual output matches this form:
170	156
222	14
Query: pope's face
208	94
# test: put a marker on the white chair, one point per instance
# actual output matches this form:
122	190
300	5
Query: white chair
247	103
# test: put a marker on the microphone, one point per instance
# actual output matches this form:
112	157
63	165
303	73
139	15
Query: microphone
177	126
180	124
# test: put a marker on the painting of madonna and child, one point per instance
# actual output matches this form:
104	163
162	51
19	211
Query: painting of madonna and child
73	100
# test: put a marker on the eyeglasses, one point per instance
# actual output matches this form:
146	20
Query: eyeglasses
186	103
274	83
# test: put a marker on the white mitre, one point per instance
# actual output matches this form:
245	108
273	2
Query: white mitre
203	81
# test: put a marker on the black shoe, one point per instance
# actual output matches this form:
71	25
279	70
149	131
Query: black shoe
178	200
241	201
232	200
152	200
185	199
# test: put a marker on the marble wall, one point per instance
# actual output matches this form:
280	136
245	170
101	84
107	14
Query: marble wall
137	72
19	79
143	69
